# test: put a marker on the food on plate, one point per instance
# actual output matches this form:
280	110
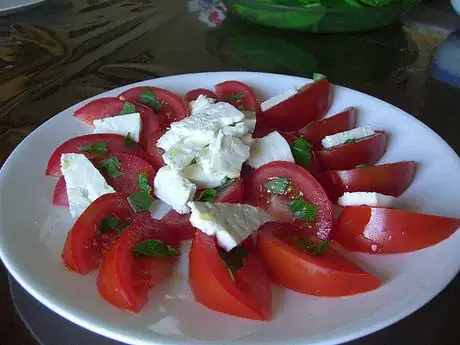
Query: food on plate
251	184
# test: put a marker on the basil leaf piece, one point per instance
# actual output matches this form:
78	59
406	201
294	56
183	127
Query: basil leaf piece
155	248
234	258
129	142
98	148
124	224
128	108
149	99
278	185
363	166
235	97
143	182
109	224
140	201
208	195
302	209
227	181
349	141
111	166
312	248
302	151
318	76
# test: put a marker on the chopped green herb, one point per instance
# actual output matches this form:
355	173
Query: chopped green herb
311	247
235	97
350	141
98	148
318	76
208	195
227	181
140	201
149	99
129	142
278	185
111	166
234	259
363	166
128	108
143	182
302	209
112	223
302	152
155	248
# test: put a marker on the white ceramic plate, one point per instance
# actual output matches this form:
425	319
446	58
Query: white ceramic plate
8	6
32	233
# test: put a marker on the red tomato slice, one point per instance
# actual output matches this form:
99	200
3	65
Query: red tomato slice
115	144
98	109
60	193
85	245
249	296
310	103
340	122
390	231
130	167
390	179
180	222
173	108
193	94
329	274
368	150
238	94
154	152
302	182
124	279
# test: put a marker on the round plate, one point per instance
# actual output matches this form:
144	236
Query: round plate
8	6
32	233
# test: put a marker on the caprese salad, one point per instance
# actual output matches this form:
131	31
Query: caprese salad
251	184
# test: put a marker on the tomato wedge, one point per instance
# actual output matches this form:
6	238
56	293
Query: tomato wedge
115	144
125	279
155	153
193	94
317	130
98	109
180	222
239	95
390	231
390	179
310	103
60	193
290	265
85	245
301	182
368	150
247	296
171	108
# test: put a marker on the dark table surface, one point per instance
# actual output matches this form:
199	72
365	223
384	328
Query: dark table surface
61	52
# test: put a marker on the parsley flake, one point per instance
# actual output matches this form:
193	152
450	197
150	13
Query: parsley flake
155	248
349	141
302	209
140	201
314	248
128	108
278	185
143	182
98	148
129	142
302	151
149	99
111	166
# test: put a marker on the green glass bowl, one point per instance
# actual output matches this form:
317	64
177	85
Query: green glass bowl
318	18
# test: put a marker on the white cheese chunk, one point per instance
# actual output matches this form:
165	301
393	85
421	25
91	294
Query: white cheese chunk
84	183
120	124
272	147
340	138
171	187
230	223
225	155
181	155
366	198
201	104
196	174
275	100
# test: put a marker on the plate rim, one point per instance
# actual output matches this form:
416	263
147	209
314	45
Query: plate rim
27	284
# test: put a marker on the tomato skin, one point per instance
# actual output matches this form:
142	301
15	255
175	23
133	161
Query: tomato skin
330	274
390	179
124	280
115	143
173	109
310	103
98	109
390	231
368	150
303	181
60	193
316	131
180	222
248	297
85	246
155	153
248	101
193	94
